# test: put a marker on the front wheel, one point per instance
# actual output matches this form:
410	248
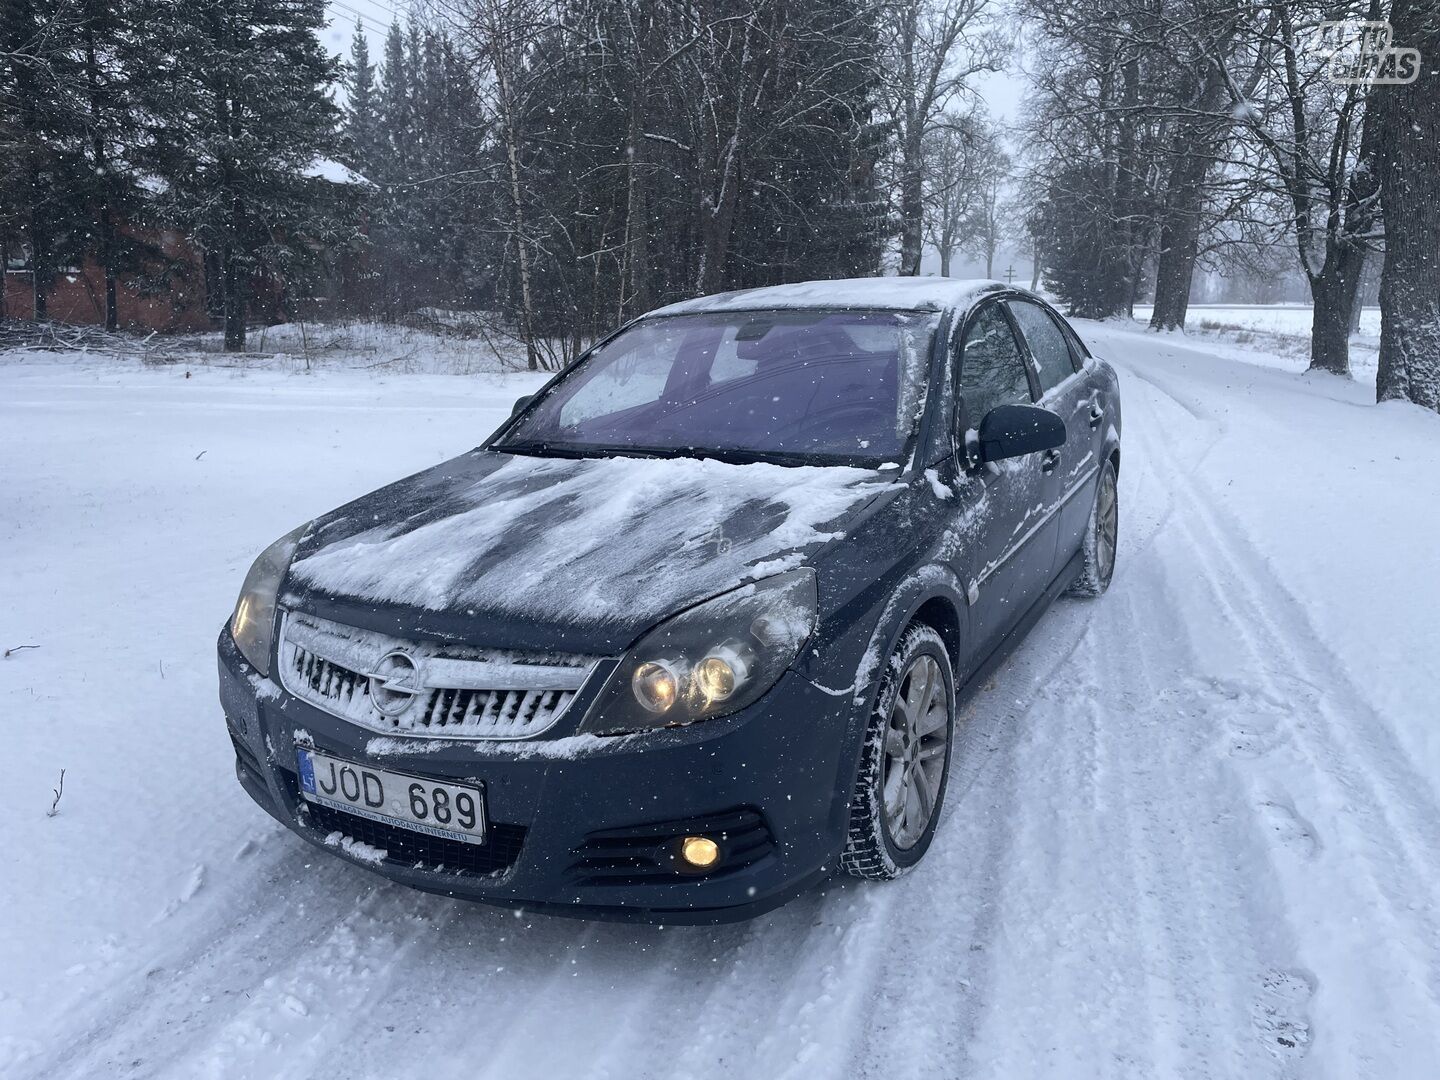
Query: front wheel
905	763
1100	537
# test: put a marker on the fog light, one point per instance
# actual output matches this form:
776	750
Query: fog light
700	852
655	686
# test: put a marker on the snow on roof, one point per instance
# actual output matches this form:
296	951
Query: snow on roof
895	293
335	173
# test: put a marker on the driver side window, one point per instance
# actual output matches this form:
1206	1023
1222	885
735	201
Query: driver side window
992	370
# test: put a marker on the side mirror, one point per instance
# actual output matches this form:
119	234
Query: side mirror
1013	430
520	404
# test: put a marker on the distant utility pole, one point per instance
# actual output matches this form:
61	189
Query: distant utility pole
1010	274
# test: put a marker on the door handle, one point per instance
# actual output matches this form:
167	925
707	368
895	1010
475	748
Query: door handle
1049	461
1096	415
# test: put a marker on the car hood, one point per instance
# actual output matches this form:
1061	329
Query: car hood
580	554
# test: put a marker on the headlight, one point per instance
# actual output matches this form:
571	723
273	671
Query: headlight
714	659
253	624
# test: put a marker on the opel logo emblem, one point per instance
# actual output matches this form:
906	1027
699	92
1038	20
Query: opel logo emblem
394	683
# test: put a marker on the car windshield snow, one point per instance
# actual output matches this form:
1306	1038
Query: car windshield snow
786	386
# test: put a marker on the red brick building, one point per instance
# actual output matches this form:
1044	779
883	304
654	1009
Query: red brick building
170	301
78	294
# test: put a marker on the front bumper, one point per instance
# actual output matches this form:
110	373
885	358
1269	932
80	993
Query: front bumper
584	825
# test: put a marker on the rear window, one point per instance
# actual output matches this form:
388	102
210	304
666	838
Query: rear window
1047	344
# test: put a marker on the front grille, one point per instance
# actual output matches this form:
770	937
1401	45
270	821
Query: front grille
455	692
404	848
647	854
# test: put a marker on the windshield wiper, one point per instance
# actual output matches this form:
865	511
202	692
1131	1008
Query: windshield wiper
580	450
729	455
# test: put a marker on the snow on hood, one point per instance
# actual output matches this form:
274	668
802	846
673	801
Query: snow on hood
617	541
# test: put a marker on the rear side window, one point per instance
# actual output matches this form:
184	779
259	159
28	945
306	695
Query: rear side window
992	370
1047	343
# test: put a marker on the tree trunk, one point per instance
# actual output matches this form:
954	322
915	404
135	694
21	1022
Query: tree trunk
1179	240
1357	308
1174	271
638	295
1035	267
1409	172
912	205
39	267
234	300
499	45
944	261
1333	294
112	307
522	252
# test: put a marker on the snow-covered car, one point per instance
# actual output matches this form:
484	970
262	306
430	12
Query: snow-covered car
689	631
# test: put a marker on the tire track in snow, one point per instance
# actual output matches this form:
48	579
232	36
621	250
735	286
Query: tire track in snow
1346	753
1123	886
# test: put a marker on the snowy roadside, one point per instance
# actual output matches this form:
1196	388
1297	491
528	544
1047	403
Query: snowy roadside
1196	835
437	343
1270	336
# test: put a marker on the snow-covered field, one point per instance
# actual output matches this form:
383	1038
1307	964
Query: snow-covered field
1290	319
1198	833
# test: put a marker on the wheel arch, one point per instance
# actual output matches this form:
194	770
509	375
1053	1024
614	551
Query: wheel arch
932	595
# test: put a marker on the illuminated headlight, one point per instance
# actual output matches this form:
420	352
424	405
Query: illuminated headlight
656	685
714	659
720	674
253	624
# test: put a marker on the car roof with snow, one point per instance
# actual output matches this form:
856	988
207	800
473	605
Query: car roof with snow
888	293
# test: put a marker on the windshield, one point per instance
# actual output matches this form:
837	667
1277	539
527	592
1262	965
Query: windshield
811	386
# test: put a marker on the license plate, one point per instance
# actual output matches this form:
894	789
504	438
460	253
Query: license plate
452	811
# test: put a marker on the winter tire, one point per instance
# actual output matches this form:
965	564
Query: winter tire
905	763
1101	536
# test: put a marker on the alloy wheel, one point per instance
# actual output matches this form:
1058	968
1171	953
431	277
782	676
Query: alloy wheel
916	739
1107	525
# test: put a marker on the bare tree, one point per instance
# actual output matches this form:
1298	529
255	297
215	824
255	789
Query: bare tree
499	35
955	165
1312	154
990	215
933	47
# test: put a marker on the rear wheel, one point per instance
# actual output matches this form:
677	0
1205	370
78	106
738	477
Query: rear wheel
1100	537
905	763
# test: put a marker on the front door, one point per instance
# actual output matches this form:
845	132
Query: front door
1004	542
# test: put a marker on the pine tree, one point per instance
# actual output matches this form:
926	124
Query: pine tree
241	111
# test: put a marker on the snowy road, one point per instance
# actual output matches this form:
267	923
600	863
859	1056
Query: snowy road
1197	832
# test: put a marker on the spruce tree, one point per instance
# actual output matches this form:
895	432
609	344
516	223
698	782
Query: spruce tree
240	112
42	166
361	120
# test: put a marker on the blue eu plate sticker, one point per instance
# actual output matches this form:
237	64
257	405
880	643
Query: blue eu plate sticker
307	770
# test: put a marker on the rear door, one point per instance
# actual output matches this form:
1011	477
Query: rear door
1065	391
1004	554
